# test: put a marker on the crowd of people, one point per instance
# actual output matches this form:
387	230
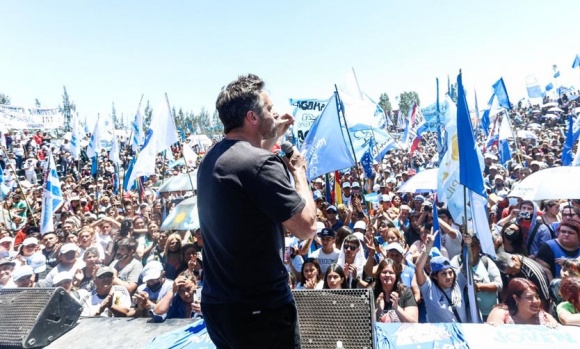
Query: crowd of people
108	251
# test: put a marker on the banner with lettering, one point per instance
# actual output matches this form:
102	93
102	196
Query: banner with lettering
12	117
305	112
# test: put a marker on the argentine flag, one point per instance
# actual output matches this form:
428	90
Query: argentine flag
52	197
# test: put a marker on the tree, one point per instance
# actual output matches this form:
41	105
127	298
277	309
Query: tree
67	109
36	103
4	99
116	121
218	127
147	114
385	103
406	100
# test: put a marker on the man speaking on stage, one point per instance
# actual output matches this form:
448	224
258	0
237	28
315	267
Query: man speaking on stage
245	201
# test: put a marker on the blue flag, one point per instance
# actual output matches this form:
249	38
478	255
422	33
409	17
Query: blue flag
557	74
470	172
501	93
116	180
437	242
485	118
367	160
4	190
549	86
569	143
325	148
576	62
94	165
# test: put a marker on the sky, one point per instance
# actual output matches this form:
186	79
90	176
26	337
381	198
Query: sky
115	51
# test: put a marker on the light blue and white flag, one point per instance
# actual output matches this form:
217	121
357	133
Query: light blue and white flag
576	63
94	147
556	71
569	143
305	113
501	94
4	190
137	127
505	132
533	87
325	148
549	87
114	152
75	139
52	197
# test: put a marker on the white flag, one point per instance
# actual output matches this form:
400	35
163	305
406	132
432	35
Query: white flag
95	143
75	139
189	156
114	153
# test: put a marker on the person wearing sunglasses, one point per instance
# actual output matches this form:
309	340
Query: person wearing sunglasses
109	300
352	259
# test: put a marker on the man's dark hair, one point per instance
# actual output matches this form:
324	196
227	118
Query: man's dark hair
130	244
237	98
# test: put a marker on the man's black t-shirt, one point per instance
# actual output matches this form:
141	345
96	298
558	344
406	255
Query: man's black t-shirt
244	194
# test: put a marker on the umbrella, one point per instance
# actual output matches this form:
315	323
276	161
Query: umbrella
555	109
421	182
550	183
536	111
534	126
183	217
182	181
551	116
526	134
550	104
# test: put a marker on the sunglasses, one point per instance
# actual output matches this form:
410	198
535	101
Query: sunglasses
350	247
105	276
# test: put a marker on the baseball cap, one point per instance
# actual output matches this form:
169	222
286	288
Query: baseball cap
104	270
500	177
62	276
355	185
327	232
6	239
38	262
332	208
360	225
69	248
359	236
502	194
319	227
419	198
395	246
30	241
152	271
21	272
5	261
319	180
376	187
317	195
439	263
346	185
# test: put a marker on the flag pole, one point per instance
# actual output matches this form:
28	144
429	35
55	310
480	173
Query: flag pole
519	157
20	187
341	112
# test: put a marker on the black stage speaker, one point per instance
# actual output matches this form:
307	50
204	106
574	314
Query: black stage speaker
328	316
34	317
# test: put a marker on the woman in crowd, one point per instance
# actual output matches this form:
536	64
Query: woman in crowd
394	301
86	240
551	214
522	306
341	234
84	276
513	239
311	275
569	311
334	277
172	256
442	289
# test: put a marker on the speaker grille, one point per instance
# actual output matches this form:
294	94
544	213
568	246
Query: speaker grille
33	317
328	316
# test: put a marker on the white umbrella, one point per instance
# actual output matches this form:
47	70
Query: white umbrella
423	181
534	126
551	116
555	109
182	181
550	104
183	217
551	183
526	134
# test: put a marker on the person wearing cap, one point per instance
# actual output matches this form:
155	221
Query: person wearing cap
332	218
442	289
155	286
6	269
23	276
109	300
6	249
68	260
451	238
346	193
328	253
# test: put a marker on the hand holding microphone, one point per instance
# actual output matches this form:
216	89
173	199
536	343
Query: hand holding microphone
292	158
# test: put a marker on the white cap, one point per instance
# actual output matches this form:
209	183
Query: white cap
360	225
319	226
62	276
30	241
152	271
359	236
6	239
68	248
23	271
38	262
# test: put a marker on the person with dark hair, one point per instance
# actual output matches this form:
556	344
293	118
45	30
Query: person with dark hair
127	267
334	277
522	306
569	311
513	239
566	245
394	301
246	232
442	290
312	277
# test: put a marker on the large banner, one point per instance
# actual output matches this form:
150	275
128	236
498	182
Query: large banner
12	117
306	111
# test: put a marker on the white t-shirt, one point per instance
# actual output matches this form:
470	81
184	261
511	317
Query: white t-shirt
325	259
121	297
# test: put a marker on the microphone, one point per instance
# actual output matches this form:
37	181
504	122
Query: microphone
287	149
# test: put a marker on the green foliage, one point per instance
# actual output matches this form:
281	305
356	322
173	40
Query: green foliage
115	118
147	114
67	109
406	100
385	103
